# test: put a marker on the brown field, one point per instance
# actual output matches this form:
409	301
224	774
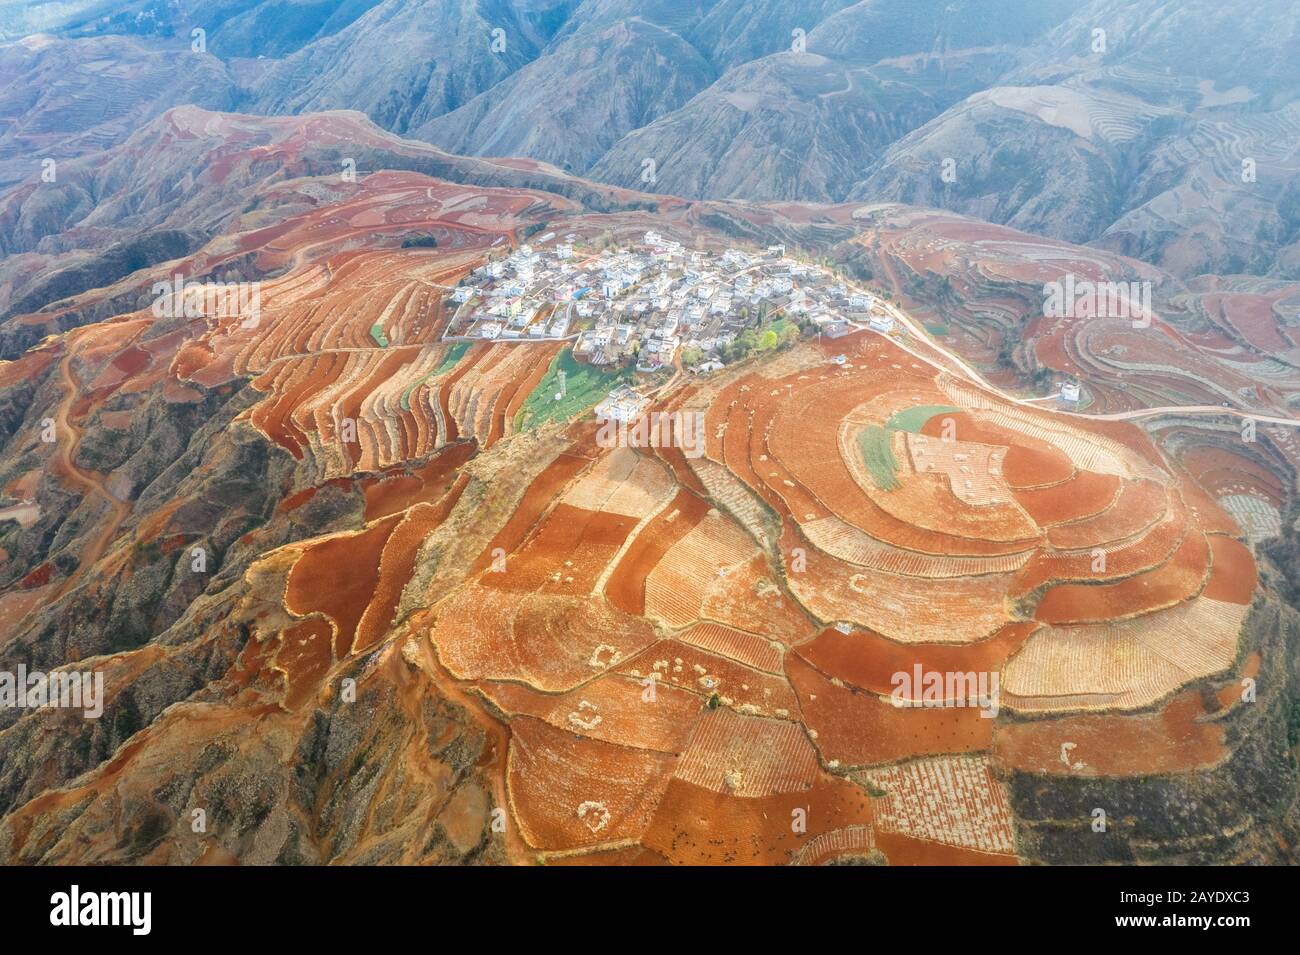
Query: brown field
550	641
858	728
1174	739
625	588
565	554
1177	579
567	792
1232	571
695	825
869	661
612	708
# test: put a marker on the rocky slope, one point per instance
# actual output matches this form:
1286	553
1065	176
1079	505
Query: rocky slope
573	102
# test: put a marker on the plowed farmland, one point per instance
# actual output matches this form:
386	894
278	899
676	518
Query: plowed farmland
636	654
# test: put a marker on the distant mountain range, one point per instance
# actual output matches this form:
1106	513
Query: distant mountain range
1130	125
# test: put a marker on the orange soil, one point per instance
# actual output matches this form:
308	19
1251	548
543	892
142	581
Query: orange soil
526	514
396	567
698	826
305	657
1088	493
1214	468
611	708
735	681
861	729
552	773
1232	571
337	576
1139	505
1179	578
753	651
1230	695
573	542
869	661
551	641
1030	462
1174	739
1145	552
1212	518
625	588
389	494
902	849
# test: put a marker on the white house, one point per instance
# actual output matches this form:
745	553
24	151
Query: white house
623	404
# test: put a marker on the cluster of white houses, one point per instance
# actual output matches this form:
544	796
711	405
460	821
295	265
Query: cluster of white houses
645	302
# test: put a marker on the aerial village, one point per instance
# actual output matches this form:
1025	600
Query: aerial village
653	304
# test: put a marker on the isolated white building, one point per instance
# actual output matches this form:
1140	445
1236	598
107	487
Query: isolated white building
623	404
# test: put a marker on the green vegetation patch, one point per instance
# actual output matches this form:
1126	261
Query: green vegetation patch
454	354
877	446
914	419
584	386
377	333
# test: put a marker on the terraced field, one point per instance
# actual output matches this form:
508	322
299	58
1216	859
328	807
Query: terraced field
847	632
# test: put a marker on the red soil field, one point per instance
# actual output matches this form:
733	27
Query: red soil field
1179	578
1212	518
869	661
1174	739
1029	462
801	471
132	361
396	567
544	489
904	608
568	792
550	641
901	849
1087	494
572	542
625	588
611	708
861	729
1215	469
1121	560
337	576
698	826
28	367
304	656
1230	694
735	600
704	673
273	416
1232	571
753	651
391	493
1139	505
504	415
1252	316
